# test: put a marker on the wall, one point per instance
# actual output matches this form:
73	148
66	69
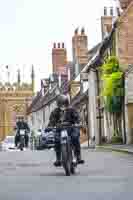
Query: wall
93	106
125	3
125	38
125	54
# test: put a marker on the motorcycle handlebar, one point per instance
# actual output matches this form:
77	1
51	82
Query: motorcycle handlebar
66	126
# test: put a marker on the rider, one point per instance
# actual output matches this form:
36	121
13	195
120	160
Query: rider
64	113
21	124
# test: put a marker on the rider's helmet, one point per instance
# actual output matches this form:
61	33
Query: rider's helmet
21	118
62	101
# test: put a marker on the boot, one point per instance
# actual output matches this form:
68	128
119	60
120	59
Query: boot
80	161
57	163
77	152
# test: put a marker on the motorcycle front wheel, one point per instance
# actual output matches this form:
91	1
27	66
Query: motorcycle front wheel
65	159
21	146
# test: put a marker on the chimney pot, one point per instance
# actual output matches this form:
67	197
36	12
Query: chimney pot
118	11
54	45
58	45
111	11
63	45
105	11
76	31
82	31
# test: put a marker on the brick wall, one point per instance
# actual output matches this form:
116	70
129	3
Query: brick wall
59	58
80	50
125	38
124	3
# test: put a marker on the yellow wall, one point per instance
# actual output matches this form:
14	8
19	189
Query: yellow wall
12	103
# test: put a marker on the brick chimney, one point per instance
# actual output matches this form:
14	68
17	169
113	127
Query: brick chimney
106	21
59	58
63	45
59	45
125	3
54	45
80	49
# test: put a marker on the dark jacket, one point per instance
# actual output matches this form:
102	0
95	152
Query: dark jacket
22	125
70	115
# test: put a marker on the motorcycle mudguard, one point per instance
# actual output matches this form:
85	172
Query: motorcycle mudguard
64	136
22	132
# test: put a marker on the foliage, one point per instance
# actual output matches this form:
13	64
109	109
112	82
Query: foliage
112	85
116	140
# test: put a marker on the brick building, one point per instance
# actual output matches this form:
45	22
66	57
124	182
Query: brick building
125	53
125	3
125	34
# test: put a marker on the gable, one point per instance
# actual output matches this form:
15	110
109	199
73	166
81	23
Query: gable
125	37
127	12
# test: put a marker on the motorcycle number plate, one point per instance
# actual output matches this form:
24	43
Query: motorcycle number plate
22	132
64	134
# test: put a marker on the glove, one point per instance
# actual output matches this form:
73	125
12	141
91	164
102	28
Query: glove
48	129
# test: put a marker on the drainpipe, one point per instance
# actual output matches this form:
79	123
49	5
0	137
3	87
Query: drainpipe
88	110
124	120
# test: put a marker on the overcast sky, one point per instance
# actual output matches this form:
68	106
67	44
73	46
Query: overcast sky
28	29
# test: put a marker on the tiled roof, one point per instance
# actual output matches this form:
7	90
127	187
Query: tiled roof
41	100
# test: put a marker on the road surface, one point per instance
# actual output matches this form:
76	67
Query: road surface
31	176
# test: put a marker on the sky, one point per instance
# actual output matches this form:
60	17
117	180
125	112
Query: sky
28	29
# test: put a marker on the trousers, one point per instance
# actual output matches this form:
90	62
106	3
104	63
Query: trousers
75	139
17	139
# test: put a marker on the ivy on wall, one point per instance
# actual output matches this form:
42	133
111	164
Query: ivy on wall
112	85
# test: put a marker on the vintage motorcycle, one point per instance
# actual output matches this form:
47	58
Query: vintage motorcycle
68	157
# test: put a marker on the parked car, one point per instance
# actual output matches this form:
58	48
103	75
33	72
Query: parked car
46	139
8	144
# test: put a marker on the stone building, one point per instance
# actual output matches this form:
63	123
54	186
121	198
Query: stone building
14	100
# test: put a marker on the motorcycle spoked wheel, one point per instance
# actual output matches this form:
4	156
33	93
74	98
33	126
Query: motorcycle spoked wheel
73	166
67	159
21	145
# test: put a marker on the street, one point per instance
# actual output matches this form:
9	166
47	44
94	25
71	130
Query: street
31	175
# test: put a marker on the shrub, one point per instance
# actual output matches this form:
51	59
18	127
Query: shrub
116	139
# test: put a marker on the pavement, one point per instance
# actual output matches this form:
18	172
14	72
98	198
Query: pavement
30	175
119	148
110	147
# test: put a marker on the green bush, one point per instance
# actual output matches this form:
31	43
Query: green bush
116	139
